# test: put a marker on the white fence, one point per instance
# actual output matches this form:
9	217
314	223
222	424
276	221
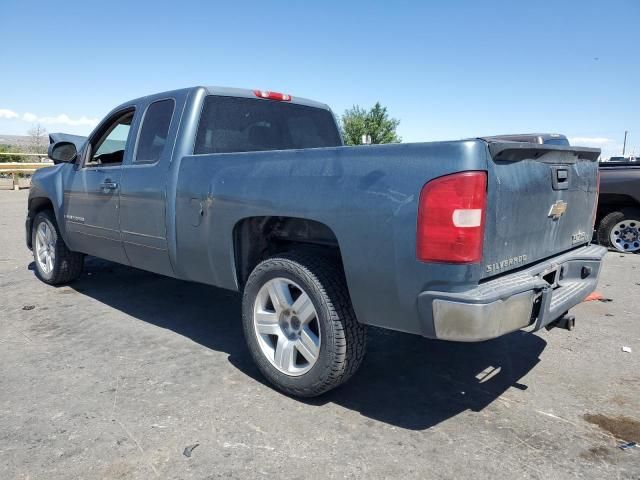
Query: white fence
16	168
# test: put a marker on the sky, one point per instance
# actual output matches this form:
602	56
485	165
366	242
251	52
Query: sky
447	70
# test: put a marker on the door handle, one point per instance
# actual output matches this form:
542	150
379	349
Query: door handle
109	185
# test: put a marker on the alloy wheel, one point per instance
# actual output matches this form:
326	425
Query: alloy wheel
287	326
45	248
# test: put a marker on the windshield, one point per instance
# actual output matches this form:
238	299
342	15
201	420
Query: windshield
236	124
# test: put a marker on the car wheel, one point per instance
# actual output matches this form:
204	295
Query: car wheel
55	264
299	324
621	230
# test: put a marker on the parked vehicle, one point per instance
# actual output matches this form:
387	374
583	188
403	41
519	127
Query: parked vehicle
253	191
629	159
618	219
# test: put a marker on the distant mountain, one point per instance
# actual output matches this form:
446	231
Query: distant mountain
18	140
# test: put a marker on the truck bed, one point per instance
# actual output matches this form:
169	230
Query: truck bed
368	198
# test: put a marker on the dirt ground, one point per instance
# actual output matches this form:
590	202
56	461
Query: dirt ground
120	374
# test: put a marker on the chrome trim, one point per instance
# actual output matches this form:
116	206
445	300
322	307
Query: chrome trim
468	322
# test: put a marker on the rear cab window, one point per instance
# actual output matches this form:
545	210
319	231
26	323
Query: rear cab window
236	124
557	141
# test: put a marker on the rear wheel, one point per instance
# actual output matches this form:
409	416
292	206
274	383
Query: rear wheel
299	324
55	263
621	230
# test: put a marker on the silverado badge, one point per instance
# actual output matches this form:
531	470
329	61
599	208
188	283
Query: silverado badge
558	209
506	263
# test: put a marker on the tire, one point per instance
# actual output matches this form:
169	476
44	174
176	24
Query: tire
620	230
64	265
340	339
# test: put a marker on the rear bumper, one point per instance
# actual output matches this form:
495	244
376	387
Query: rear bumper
514	301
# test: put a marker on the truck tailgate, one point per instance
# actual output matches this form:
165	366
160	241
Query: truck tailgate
541	202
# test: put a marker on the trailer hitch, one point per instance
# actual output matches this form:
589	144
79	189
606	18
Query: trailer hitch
566	322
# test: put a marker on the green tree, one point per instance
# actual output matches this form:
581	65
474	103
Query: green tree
10	158
376	122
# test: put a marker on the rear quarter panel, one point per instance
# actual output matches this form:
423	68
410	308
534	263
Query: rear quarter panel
366	195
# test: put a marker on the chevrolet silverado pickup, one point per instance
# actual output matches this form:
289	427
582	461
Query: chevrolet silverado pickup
618	218
253	191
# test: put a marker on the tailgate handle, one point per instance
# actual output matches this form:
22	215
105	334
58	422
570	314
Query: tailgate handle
560	178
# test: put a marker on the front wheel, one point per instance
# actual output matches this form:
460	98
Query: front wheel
299	324
55	263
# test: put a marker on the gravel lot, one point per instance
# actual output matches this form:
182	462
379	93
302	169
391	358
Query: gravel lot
116	374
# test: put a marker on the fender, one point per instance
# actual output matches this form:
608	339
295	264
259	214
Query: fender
47	186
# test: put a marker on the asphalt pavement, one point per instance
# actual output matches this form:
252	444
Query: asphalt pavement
126	374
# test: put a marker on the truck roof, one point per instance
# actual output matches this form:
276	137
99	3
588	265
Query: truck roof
249	93
230	92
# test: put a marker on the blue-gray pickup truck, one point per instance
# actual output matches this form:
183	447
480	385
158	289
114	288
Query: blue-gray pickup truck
253	191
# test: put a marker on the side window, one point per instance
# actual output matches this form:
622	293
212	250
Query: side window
154	131
108	149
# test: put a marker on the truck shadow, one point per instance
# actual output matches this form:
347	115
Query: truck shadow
406	381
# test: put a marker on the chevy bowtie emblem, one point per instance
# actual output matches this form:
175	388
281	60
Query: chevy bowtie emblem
558	209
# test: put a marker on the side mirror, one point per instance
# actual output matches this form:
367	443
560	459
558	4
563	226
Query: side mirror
62	152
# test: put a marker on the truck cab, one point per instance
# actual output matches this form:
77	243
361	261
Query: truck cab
114	199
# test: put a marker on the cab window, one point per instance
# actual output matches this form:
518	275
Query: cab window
108	149
154	131
238	124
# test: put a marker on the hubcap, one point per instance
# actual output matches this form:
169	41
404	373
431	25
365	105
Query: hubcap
287	326
45	251
625	236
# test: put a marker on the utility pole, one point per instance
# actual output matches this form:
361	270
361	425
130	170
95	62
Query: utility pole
624	145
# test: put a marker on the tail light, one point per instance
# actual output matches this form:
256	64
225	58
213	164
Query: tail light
451	218
281	97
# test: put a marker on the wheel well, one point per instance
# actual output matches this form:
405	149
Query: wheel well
257	238
37	205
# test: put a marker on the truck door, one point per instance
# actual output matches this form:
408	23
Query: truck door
91	199
144	188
